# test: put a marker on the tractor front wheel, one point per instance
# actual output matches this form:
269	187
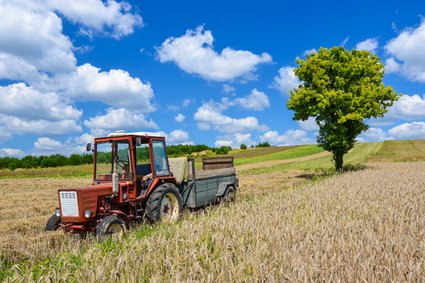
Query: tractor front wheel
164	204
53	224
110	225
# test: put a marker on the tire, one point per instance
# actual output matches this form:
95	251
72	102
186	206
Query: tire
53	224
110	225
229	195
164	204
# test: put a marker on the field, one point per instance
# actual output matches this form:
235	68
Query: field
365	225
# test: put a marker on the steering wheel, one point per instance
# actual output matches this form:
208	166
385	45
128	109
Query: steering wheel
123	164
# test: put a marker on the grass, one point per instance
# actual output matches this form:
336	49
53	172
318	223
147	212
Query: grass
58	172
370	230
400	151
358	154
284	153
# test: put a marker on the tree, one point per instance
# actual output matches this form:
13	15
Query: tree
263	144
340	89
243	146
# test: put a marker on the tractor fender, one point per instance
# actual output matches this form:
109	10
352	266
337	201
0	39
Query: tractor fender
222	188
122	215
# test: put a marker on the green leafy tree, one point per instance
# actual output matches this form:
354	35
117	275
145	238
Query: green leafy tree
243	146
340	89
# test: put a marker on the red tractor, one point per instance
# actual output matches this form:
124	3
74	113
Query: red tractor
134	182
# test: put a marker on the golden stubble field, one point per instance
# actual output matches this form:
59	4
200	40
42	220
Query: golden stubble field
367	225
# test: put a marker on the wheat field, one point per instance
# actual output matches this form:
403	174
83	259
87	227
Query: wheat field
367	225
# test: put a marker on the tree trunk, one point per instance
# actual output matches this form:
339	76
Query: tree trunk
338	158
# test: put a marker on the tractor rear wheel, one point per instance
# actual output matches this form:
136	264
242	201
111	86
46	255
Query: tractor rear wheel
230	195
110	225
53	224
164	204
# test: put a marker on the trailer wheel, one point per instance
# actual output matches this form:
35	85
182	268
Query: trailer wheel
110	225
164	204
53	224
229	195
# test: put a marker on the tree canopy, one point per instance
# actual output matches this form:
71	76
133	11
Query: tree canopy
340	89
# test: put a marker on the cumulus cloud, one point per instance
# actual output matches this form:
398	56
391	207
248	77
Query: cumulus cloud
11	152
286	80
209	116
47	146
178	136
414	130
234	140
20	126
24	101
194	54
179	118
32	43
115	88
309	125
96	16
373	135
408	54
392	66
118	119
309	52
257	101
407	108
290	137
370	44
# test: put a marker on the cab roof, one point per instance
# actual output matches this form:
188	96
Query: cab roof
141	134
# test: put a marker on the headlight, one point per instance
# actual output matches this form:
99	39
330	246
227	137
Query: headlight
87	213
58	212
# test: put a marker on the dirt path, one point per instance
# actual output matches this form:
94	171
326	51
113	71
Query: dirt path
271	163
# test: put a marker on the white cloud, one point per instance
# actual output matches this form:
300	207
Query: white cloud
178	136
234	140
407	108
309	125
209	116
11	152
310	51
47	146
104	17
286	80
115	88
118	119
257	100
179	118
407	48
392	66
32	42
373	135
20	126
23	101
290	137
370	44
220	143
414	130
193	53
228	88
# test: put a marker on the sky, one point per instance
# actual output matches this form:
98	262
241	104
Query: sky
200	72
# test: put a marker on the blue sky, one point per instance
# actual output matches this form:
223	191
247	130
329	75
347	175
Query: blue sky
211	72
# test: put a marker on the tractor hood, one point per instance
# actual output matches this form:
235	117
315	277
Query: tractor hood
74	202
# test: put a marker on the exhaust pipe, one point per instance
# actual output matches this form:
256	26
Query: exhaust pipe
115	186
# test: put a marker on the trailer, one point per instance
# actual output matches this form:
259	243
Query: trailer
134	182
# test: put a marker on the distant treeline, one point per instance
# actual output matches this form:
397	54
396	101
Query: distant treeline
43	161
57	160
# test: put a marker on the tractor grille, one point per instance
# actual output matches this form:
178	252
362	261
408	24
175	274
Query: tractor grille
69	204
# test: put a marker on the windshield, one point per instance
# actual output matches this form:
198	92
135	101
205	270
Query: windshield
113	155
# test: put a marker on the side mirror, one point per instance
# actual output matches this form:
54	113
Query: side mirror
88	147
138	141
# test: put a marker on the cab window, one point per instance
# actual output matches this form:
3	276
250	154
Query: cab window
160	158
